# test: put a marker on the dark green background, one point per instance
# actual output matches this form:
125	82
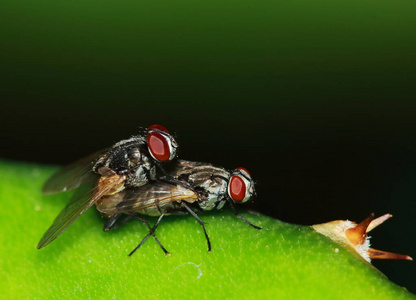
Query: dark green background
316	98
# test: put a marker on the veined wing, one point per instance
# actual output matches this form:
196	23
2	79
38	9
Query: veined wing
72	175
197	174
155	194
181	166
91	190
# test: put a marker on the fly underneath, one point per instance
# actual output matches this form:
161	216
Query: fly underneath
189	187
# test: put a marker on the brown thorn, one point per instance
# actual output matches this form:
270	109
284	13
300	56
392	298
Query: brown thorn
378	254
380	220
358	234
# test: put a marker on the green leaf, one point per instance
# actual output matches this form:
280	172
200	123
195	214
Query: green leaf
282	261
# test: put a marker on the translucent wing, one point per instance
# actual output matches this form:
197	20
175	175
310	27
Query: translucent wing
91	190
72	175
181	166
153	195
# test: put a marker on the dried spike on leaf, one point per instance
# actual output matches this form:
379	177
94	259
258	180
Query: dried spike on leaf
355	236
378	254
380	220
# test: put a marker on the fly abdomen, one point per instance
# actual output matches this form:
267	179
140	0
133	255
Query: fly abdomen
151	199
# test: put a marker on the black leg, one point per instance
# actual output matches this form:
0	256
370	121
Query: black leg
151	233
241	217
200	222
115	222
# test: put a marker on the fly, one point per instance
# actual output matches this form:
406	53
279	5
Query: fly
189	187
130	163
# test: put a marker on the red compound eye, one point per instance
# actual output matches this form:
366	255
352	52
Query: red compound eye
158	127
237	188
159	146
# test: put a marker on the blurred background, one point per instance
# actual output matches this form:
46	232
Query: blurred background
317	99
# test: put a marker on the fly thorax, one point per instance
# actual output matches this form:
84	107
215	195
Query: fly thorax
142	168
215	191
124	156
139	177
134	157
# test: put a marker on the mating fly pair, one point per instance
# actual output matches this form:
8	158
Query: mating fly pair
140	176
